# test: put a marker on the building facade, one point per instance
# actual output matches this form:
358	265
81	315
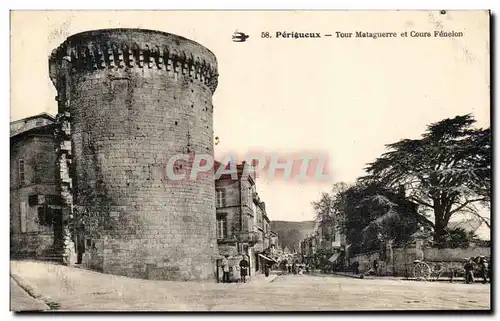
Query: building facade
326	246
35	211
243	226
235	213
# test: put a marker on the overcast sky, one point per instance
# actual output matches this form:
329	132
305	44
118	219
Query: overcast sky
346	98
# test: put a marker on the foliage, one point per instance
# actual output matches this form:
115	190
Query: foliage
366	214
457	238
446	171
329	209
374	214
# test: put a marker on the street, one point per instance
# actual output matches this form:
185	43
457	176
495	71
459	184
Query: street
81	290
22	301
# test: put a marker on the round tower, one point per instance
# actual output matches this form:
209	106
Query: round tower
129	100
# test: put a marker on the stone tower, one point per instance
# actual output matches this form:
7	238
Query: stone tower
130	99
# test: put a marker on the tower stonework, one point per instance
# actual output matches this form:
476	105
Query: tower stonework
130	99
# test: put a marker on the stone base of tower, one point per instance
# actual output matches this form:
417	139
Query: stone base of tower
132	260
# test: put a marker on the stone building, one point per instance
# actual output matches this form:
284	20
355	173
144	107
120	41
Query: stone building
235	213
35	212
274	244
243	226
129	100
262	228
326	244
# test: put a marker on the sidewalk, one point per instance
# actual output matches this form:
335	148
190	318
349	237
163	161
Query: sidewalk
22	301
74	289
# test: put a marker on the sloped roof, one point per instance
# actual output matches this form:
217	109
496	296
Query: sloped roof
40	130
41	115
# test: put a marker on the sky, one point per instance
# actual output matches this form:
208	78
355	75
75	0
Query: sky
343	97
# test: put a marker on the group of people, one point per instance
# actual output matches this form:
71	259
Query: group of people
296	268
484	269
240	271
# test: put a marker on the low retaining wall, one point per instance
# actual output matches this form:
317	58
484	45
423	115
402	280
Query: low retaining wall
399	261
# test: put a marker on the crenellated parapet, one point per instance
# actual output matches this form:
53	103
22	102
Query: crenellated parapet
136	48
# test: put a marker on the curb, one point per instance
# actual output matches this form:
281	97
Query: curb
51	305
401	278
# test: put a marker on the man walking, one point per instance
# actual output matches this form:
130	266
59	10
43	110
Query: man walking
484	268
225	270
469	271
244	269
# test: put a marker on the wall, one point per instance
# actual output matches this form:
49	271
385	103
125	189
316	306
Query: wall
232	209
37	151
401	262
136	99
455	254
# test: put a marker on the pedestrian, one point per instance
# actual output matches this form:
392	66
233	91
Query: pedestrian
243	269
489	270
237	273
80	240
294	268
375	267
225	269
484	268
469	271
301	271
356	267
266	269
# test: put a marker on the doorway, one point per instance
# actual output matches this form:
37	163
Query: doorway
57	226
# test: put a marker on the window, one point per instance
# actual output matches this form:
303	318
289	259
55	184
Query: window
22	214
220	194
45	216
21	172
221	228
33	200
53	200
39	123
249	196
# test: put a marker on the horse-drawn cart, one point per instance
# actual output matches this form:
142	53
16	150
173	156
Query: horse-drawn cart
434	270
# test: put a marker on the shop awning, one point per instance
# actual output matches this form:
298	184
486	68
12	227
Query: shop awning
267	258
334	257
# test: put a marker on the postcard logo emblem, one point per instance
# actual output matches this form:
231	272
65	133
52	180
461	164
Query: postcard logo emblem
240	36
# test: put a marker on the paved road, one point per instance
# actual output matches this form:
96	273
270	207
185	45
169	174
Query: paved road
82	290
22	301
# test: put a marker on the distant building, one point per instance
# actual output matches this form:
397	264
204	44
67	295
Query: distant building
35	212
326	246
274	245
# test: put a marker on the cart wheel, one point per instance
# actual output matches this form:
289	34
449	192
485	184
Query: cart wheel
421	271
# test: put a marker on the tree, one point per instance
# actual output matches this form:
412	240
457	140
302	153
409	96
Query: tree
374	213
458	238
446	172
329	209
